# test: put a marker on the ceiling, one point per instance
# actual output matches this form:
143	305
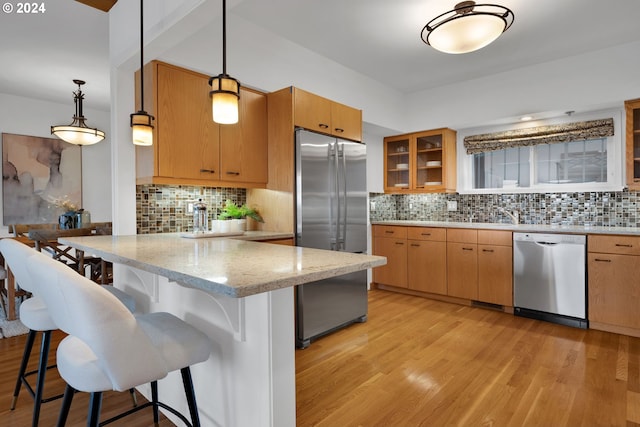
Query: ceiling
43	53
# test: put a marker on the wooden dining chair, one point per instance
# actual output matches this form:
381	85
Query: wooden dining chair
22	230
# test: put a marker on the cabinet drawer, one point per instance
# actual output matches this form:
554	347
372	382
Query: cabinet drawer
397	231
493	237
625	245
462	235
424	233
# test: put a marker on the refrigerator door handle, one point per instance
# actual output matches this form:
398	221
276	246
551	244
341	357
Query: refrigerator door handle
342	242
334	201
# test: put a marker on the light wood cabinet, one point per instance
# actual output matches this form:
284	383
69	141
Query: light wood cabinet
287	108
613	265
466	264
322	115
420	162
189	148
632	108
391	242
427	260
462	263
495	267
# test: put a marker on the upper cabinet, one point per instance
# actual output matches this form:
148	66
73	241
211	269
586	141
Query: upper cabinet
420	162
322	115
632	108
188	147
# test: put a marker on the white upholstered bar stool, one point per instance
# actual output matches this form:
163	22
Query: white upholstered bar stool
108	348
35	315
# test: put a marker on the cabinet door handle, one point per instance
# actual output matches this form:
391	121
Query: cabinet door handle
323	126
487	250
602	260
425	234
233	173
399	243
389	231
416	245
467	249
620	245
339	130
207	170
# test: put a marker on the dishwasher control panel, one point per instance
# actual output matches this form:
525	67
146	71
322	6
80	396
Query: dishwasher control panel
577	239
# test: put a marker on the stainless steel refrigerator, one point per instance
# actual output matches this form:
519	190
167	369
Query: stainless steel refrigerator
331	213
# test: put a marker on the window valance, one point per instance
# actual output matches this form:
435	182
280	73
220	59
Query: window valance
578	131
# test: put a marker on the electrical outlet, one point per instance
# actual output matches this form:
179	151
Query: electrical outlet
452	205
190	207
372	205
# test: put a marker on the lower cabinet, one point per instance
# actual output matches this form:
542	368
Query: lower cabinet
391	242
495	267
469	264
462	263
427	260
613	266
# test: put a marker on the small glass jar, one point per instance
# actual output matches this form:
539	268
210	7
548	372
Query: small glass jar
200	219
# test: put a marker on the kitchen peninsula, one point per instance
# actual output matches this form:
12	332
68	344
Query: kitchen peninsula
240	293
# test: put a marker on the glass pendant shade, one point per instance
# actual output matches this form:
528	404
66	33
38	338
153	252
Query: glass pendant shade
467	34
141	128
78	135
467	28
225	95
77	132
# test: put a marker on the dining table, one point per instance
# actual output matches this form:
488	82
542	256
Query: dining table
46	240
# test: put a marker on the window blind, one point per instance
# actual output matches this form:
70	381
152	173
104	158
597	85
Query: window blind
577	131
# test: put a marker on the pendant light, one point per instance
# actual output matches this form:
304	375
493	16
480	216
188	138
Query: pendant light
468	27
78	132
225	90
141	127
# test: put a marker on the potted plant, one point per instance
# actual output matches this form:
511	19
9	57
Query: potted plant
238	215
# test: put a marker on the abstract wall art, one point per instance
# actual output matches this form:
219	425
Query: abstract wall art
41	178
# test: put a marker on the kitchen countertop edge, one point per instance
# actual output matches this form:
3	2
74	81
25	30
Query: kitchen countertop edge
250	280
524	228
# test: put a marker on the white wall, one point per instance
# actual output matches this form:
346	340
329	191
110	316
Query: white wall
26	116
581	83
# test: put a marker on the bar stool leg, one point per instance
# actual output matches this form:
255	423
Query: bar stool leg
66	405
42	370
154	401
95	404
28	346
191	396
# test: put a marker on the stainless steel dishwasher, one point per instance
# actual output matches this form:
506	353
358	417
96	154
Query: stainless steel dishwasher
549	279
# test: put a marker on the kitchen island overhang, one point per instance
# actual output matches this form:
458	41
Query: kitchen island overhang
240	293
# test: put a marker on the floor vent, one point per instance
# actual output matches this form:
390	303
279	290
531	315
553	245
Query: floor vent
488	305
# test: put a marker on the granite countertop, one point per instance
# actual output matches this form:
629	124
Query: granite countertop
525	228
229	266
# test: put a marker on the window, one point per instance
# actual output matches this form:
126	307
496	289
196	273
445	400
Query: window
578	153
576	162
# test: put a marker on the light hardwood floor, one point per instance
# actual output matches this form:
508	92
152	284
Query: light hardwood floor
418	362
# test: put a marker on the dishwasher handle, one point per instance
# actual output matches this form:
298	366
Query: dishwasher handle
543	243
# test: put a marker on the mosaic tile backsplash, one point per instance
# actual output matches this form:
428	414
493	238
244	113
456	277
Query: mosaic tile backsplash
163	208
609	209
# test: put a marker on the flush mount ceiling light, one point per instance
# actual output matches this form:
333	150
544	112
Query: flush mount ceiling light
468	27
141	127
225	90
78	132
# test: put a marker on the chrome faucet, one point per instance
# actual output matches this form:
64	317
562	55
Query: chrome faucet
514	216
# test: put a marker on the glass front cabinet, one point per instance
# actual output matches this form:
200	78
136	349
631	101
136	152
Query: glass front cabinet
632	108
420	162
